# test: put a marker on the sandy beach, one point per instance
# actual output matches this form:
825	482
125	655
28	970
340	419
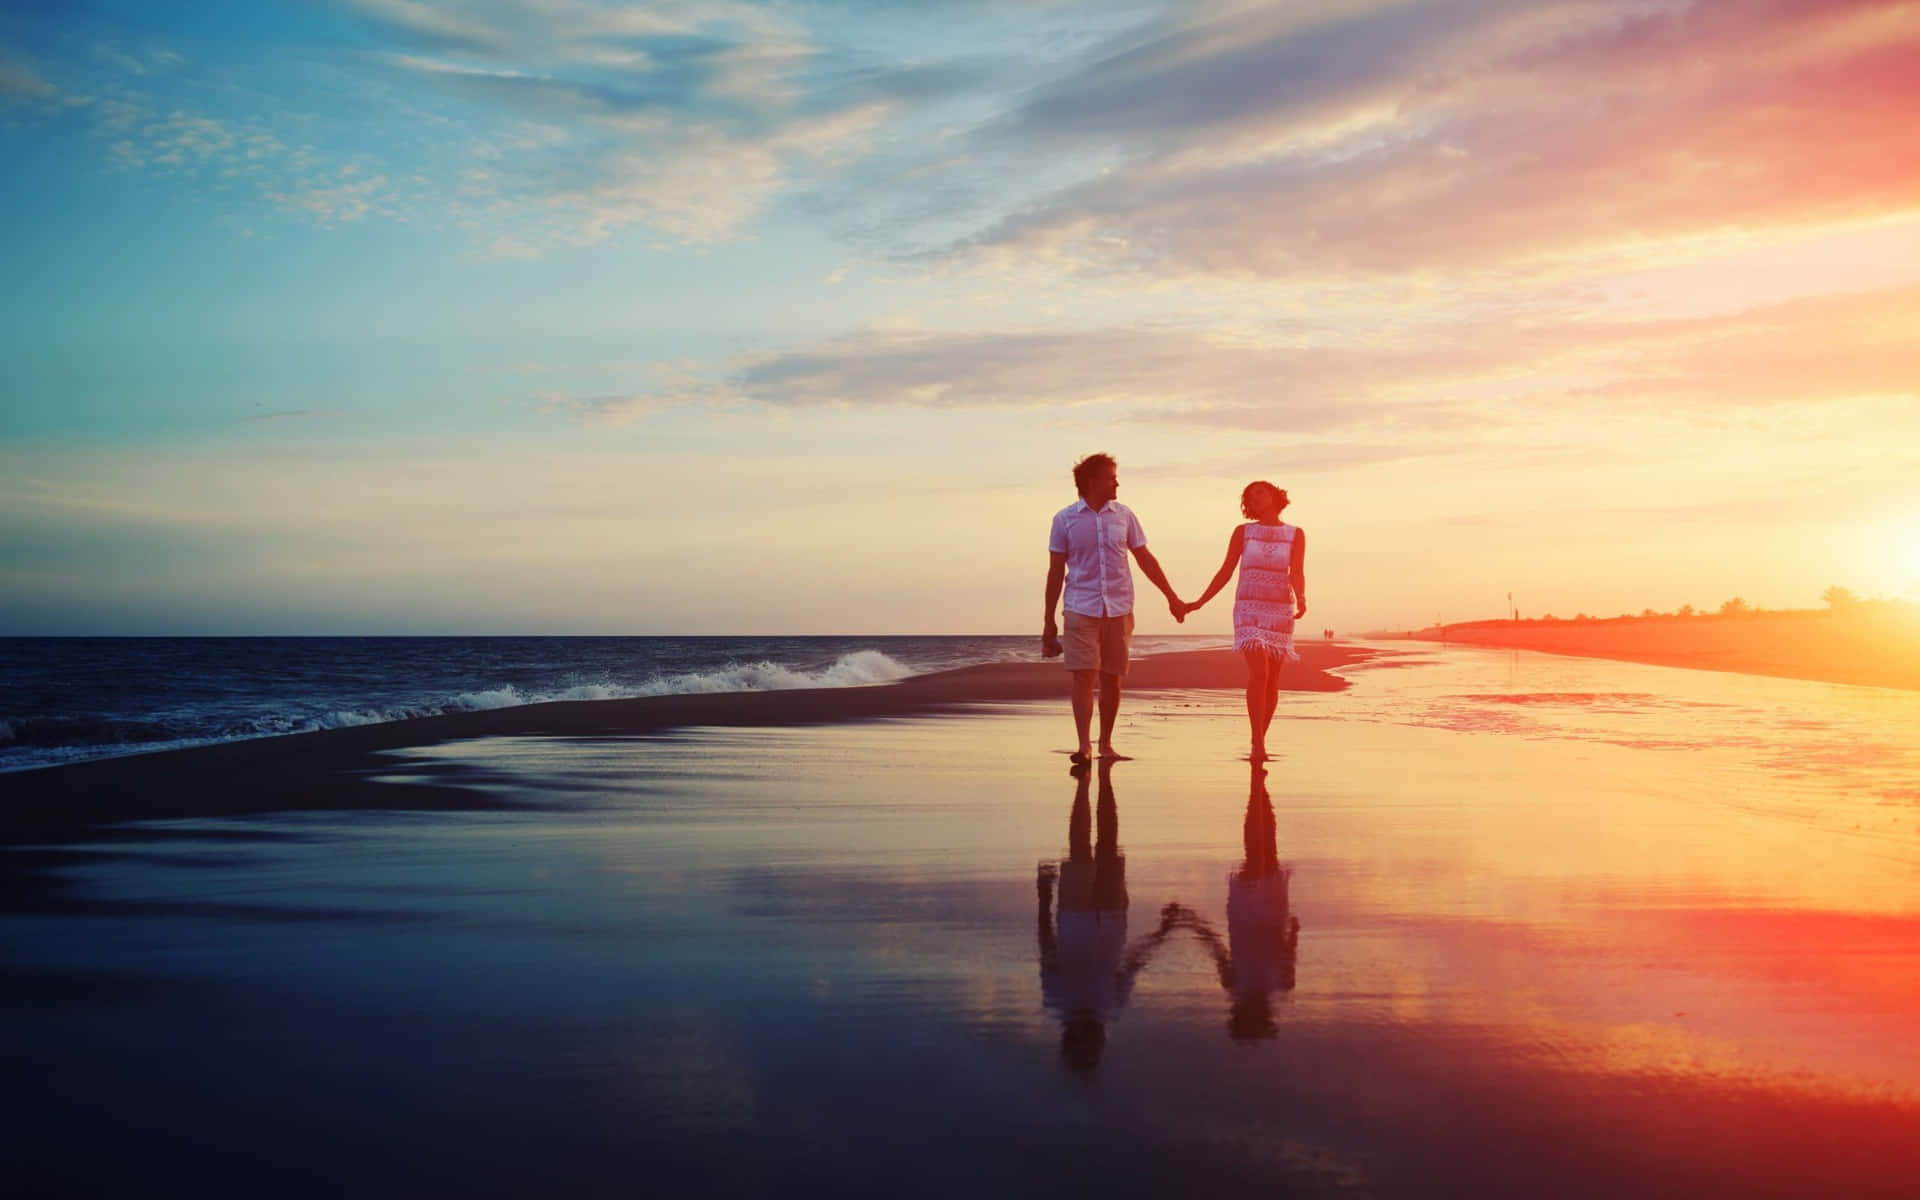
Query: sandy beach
1493	924
1874	649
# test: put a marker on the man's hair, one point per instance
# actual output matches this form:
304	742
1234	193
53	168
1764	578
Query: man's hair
1088	467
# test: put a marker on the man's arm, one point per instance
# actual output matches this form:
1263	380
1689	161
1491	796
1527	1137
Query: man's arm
1150	567
1049	946
1056	579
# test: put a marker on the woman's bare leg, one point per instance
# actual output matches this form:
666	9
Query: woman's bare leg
1271	700
1258	668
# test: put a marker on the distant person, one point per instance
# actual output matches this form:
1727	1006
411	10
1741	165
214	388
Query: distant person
1086	967
1087	557
1272	595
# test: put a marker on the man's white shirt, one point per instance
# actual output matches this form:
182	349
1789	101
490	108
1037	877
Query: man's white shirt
1099	577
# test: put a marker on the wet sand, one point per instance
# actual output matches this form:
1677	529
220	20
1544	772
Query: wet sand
331	769
1565	928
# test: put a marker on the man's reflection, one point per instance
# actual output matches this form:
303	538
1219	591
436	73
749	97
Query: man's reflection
1263	936
1086	966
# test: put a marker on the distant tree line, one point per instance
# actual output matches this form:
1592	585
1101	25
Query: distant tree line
1839	601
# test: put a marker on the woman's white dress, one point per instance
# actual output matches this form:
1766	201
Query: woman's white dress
1263	600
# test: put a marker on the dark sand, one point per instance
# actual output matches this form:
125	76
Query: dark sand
333	769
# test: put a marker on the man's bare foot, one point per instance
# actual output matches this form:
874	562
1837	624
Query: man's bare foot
1107	751
1259	755
1081	757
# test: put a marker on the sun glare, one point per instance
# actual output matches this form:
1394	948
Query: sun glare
1903	547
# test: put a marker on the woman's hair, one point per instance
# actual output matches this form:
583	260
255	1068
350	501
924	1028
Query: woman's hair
1246	494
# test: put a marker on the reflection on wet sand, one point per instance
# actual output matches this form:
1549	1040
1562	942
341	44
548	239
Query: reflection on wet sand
1263	935
1086	966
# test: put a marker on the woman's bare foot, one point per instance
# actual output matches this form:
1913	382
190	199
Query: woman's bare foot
1258	755
1107	751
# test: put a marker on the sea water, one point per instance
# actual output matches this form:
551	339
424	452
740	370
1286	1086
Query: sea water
69	699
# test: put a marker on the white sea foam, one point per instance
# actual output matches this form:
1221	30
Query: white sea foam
849	670
858	669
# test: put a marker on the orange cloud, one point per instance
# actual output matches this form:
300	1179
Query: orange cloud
1447	137
1442	378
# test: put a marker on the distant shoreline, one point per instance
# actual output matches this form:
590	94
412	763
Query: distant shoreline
336	768
1825	647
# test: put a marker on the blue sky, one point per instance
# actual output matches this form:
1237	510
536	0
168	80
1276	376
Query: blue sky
570	316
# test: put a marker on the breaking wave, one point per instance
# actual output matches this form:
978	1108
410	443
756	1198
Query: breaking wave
27	742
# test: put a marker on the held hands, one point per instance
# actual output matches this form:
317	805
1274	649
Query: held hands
1179	608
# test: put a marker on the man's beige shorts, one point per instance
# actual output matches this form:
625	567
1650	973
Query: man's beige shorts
1097	643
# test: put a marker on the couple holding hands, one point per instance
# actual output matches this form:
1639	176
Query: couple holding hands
1087	564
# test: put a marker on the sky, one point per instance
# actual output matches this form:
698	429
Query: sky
569	316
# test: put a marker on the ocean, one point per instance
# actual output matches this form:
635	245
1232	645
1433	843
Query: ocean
66	700
1492	924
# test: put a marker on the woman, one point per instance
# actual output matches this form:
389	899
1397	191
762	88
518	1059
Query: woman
1272	557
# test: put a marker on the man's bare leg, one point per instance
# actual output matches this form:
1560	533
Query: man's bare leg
1083	714
1109	711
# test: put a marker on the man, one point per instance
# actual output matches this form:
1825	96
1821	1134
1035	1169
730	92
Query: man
1087	558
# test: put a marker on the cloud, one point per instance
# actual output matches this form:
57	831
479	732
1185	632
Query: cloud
348	197
543	36
507	246
689	120
178	139
141	62
297	414
1175	374
672	384
430	25
701	183
1807	350
1015	369
542	96
1454	380
182	141
19	81
582	118
1448	135
1297	456
1270	142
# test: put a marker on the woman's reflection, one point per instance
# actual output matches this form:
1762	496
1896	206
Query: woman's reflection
1086	967
1263	936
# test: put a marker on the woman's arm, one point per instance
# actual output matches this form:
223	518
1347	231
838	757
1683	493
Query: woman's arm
1179	915
1234	543
1297	571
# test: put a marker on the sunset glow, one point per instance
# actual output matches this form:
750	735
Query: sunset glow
1905	550
321	314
